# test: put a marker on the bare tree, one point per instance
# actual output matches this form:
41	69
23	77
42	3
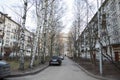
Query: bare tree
78	24
22	34
47	26
39	9
21	66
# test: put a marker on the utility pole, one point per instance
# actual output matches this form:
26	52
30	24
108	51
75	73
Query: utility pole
100	47
87	20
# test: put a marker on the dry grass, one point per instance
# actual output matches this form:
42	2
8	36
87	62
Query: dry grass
15	65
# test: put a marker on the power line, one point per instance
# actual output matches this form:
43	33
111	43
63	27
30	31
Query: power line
13	10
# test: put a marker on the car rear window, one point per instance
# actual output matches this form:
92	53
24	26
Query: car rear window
54	57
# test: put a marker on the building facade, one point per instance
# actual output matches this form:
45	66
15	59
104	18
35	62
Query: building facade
9	36
28	42
108	31
10	31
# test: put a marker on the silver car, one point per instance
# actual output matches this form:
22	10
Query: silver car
4	69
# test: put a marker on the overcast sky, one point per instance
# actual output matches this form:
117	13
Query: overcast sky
69	15
14	9
11	8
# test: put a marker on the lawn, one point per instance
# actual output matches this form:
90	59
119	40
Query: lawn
15	64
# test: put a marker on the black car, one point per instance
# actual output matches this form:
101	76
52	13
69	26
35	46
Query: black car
55	60
4	69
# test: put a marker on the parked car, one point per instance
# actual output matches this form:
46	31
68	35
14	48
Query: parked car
55	60
4	69
61	57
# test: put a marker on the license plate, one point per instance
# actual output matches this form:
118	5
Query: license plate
54	60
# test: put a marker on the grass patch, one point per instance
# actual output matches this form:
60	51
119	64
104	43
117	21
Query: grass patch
14	65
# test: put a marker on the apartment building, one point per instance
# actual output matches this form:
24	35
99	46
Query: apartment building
108	30
88	38
28	43
9	30
9	36
112	10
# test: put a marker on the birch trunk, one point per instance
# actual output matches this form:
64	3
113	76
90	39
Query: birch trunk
22	36
36	47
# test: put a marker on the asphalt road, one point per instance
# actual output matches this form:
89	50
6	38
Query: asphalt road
67	71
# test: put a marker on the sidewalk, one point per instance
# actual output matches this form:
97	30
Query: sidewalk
29	71
109	71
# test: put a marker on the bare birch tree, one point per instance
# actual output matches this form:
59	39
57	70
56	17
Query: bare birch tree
54	23
39	10
22	33
47	25
78	24
22	36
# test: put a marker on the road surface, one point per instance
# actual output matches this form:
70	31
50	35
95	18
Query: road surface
67	71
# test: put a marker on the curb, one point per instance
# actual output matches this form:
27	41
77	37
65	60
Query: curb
32	72
91	74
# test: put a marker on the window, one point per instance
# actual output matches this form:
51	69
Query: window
0	41
7	34
115	32
9	25
13	30
119	5
7	37
115	27
116	40
113	6
114	21
11	37
6	45
14	37
11	44
8	30
7	41
114	15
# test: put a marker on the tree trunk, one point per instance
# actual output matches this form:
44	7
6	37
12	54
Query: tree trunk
22	36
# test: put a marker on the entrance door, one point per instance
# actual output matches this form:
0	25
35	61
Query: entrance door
116	56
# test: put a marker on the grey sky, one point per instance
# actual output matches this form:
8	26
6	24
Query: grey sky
11	8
